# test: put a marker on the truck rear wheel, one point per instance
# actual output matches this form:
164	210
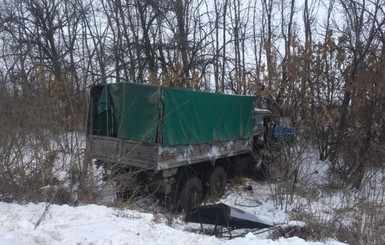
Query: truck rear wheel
216	182
190	195
124	190
129	184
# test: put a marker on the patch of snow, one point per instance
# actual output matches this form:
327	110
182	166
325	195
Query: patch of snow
214	151
296	223
93	224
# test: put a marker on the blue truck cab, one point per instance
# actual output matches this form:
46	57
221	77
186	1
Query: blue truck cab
283	130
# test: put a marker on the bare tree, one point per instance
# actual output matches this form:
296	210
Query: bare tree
363	23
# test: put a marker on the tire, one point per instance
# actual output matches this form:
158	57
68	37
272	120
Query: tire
190	195
123	193
129	185
216	182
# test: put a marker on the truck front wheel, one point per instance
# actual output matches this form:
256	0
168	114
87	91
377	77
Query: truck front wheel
190	195
216	182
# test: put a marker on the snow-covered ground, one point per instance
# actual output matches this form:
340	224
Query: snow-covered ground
144	223
43	223
92	224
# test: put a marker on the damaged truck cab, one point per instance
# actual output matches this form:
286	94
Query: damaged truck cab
176	143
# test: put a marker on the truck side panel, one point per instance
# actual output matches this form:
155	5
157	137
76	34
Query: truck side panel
115	150
182	155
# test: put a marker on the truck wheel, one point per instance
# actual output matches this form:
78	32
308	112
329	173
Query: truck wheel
129	185
216	182
123	193
190	195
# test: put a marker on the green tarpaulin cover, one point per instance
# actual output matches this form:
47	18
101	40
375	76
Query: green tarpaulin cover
129	111
132	111
198	117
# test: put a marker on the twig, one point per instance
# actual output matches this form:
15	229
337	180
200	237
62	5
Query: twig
47	206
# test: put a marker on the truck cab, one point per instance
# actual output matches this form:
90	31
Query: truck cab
283	130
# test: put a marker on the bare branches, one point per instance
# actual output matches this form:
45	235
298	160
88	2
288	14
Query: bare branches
305	59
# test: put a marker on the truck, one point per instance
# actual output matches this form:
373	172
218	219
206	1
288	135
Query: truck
179	144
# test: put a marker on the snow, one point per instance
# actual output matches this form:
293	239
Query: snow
93	224
43	223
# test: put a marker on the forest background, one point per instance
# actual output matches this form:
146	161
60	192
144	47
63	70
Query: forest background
320	62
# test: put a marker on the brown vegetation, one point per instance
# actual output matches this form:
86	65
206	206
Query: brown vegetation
326	71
